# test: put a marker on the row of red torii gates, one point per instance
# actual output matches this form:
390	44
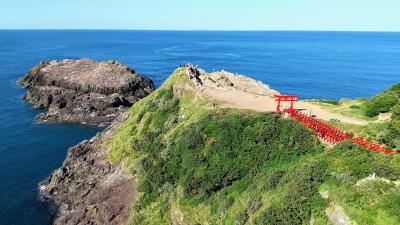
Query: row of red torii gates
322	129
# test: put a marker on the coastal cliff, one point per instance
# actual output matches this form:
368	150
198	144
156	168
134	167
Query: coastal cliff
84	90
185	154
87	188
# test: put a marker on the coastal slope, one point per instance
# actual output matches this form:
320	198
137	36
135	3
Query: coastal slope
87	188
182	156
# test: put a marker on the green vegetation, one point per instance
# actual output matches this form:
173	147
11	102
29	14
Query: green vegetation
355	107
226	166
366	109
388	101
346	107
375	132
380	104
385	132
325	101
392	133
373	202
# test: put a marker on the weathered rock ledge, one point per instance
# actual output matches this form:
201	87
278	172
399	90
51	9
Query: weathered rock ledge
84	91
226	81
87	188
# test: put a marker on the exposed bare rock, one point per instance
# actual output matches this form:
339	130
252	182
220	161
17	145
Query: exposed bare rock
382	117
373	178
337	215
324	194
84	91
87	188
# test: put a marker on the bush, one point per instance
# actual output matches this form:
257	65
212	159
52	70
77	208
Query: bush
383	102
354	107
392	137
326	101
301	195
372	202
356	163
330	101
380	104
395	89
273	179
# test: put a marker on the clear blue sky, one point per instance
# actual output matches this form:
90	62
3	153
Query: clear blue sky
355	15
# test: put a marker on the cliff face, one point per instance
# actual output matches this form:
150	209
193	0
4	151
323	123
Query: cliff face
87	188
84	91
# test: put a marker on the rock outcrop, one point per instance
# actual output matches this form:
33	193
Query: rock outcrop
227	81
84	91
87	188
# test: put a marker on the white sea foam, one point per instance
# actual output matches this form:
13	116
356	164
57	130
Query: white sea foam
63	209
42	193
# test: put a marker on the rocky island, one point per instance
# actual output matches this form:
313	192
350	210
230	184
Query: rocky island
206	148
84	90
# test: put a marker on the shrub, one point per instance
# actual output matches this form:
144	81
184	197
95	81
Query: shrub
358	163
380	104
354	107
392	137
395	89
330	101
301	195
383	102
273	179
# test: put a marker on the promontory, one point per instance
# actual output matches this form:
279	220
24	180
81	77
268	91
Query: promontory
208	148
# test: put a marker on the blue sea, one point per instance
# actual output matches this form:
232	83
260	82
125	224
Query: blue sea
331	65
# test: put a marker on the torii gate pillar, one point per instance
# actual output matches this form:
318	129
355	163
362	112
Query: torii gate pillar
286	98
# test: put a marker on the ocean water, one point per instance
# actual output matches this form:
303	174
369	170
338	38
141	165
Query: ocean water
330	65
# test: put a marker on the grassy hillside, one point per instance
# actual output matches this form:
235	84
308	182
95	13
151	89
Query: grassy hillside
198	165
346	107
364	108
386	132
382	102
388	101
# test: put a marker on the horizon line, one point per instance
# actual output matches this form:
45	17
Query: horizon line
188	30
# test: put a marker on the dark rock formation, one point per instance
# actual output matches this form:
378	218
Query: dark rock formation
84	91
87	188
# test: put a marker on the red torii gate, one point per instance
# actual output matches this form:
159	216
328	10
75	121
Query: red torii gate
323	129
286	98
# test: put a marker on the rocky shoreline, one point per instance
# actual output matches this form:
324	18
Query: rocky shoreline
87	188
84	90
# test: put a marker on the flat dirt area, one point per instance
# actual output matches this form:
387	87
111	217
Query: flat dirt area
244	100
235	91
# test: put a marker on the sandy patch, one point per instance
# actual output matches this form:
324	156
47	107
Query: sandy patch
230	98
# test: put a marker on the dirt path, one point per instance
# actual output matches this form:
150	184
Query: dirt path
241	92
231	98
